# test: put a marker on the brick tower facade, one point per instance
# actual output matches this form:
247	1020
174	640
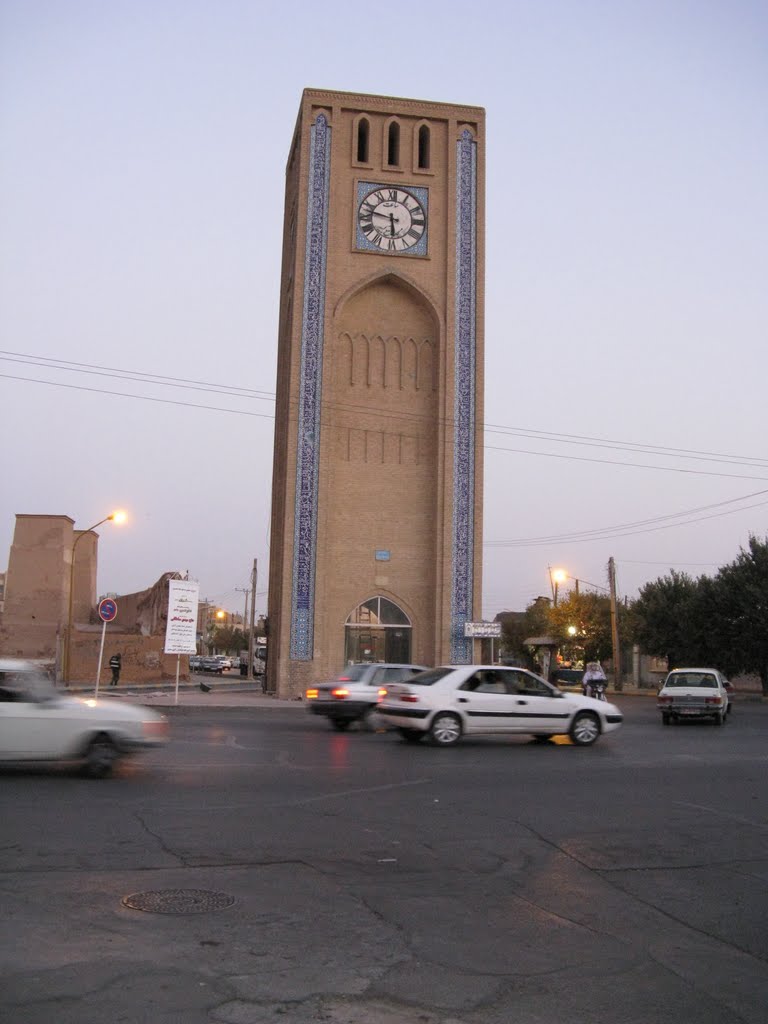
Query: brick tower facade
377	485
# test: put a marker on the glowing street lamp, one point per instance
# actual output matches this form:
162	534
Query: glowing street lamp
118	517
556	577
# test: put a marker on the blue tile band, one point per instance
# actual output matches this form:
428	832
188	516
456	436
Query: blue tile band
464	399
308	438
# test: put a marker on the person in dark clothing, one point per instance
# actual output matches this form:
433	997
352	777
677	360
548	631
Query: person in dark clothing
115	663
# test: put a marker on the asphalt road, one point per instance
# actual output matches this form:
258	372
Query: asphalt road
375	882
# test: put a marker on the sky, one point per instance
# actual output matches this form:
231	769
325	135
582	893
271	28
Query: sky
142	159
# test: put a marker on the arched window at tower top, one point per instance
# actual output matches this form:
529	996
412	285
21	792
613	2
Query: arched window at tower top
393	144
363	140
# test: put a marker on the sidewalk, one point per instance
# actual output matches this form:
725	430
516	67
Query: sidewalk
223	693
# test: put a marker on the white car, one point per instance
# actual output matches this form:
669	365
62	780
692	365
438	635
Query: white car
40	723
694	693
446	703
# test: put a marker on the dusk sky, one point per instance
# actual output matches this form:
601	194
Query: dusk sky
142	157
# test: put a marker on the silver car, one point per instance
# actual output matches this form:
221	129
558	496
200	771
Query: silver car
40	723
354	694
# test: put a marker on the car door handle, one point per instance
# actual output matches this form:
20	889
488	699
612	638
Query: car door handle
463	700
522	702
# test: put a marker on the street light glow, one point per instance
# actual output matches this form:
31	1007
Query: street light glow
117	517
559	575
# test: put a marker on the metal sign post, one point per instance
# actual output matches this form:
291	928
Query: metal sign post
107	613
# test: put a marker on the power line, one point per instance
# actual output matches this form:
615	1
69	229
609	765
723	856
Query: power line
633	533
515	451
238	391
575	535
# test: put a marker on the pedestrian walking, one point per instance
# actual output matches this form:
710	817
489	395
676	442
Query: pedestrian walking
115	663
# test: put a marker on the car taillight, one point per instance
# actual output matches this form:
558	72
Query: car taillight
713	700
339	692
665	700
409	698
382	692
312	694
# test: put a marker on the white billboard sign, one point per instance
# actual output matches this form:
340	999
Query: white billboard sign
482	629
181	631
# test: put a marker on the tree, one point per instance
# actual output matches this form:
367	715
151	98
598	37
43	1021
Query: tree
590	615
229	639
737	613
516	627
663	615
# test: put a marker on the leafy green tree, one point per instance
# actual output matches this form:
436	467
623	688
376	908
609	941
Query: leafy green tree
735	616
516	627
663	615
228	639
589	614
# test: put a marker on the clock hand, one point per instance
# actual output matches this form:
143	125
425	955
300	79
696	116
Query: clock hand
392	224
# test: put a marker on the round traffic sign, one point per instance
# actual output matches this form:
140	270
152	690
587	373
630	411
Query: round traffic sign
108	609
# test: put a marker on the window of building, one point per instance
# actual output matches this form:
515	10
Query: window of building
393	144
377	630
423	143
363	140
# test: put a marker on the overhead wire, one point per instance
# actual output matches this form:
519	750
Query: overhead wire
136	376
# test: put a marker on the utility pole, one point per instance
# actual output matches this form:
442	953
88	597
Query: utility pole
617	681
254	577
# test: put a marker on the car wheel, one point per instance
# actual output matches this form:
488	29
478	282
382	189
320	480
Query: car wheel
100	757
411	735
445	729
340	724
666	719
585	729
719	718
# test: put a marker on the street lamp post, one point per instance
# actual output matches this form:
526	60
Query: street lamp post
113	517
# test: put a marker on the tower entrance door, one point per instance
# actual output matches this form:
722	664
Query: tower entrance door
377	630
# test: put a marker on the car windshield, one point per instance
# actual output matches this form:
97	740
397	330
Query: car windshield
26	687
428	678
705	679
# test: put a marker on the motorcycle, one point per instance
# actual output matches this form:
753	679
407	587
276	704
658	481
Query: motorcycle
595	688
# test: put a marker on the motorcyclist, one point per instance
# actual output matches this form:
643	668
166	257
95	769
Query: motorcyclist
593	674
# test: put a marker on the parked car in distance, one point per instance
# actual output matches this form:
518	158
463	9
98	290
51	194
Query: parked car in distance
354	694
455	700
210	663
694	693
224	660
40	723
195	663
568	676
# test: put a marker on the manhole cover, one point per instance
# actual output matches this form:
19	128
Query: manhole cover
178	901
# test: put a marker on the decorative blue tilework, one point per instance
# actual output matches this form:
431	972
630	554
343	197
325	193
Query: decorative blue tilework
462	577
308	439
421	194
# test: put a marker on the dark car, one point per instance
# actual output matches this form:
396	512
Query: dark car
211	664
568	676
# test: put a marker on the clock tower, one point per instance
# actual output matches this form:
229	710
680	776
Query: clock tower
377	486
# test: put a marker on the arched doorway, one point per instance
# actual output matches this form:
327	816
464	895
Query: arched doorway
377	630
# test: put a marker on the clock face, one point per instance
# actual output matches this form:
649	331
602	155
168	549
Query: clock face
391	219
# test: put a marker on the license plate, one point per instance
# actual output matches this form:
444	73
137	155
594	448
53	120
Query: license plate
689	711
